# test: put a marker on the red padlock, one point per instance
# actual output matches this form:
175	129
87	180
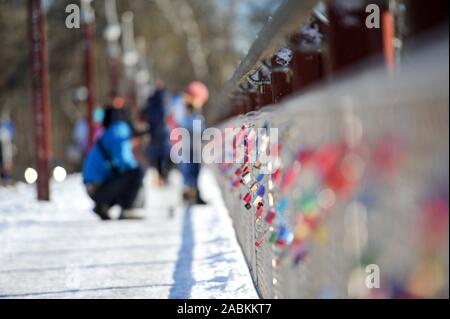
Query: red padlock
270	216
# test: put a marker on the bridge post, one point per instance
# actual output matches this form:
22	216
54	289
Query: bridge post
306	68
252	101
88	19
240	104
112	34
264	89
40	96
349	39
281	81
307	61
130	60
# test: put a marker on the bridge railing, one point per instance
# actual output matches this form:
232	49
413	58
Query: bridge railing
356	205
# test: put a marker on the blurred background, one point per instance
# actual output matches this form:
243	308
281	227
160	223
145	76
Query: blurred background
183	40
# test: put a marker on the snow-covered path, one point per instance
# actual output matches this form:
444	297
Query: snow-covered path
60	249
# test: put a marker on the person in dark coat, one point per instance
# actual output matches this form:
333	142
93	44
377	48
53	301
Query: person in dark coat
159	148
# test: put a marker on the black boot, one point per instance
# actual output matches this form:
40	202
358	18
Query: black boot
102	211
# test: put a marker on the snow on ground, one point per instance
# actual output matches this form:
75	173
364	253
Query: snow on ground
61	250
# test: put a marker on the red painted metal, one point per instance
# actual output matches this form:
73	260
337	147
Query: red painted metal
240	104
307	61
114	76
350	41
281	84
423	16
252	103
306	69
388	40
89	75
264	90
40	96
264	95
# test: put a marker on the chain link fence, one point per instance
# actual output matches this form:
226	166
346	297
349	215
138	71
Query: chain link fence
360	193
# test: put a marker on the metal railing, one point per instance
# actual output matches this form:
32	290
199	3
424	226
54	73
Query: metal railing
363	179
288	18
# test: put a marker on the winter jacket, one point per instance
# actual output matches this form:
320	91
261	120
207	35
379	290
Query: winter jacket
117	142
156	112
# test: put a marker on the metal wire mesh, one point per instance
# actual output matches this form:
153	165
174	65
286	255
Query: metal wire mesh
395	131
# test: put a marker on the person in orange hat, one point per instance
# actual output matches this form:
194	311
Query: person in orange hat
195	96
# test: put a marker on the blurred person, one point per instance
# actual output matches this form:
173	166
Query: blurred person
195	97
177	112
111	173
79	148
7	131
80	135
158	152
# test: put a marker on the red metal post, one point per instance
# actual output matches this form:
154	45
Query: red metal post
264	89
265	94
306	68
388	40
281	82
307	62
242	103
112	34
132	97
252	101
234	108
130	60
423	16
113	73
40	96
350	41
89	65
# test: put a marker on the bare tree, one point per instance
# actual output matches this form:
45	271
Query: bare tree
181	18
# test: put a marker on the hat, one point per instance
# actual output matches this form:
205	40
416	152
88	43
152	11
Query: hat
118	102
197	92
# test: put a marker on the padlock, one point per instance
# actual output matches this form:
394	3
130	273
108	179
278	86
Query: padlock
247	198
285	236
270	216
260	177
261	191
254	187
257	201
273	236
259	212
246	178
235	183
276	175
